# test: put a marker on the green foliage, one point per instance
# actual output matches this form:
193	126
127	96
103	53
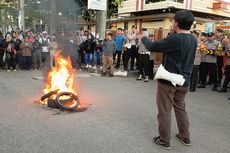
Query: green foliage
10	13
113	8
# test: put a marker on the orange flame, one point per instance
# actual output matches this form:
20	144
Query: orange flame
61	77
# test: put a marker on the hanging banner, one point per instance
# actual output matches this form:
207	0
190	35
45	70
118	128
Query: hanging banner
97	5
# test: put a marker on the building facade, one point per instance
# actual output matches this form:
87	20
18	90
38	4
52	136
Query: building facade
155	14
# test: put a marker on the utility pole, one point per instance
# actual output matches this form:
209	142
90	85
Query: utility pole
53	7
21	16
101	17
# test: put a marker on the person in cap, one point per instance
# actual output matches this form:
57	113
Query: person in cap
195	69
202	67
45	41
130	54
179	52
144	58
210	61
224	47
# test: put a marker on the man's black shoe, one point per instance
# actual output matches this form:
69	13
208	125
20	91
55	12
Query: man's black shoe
132	69
214	89
111	75
161	143
103	74
222	90
209	83
192	90
201	86
184	141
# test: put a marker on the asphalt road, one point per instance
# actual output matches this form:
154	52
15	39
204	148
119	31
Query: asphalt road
121	118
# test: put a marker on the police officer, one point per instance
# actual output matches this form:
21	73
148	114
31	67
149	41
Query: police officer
203	64
225	47
220	59
144	58
210	61
131	38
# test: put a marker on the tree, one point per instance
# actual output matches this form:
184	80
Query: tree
113	8
9	13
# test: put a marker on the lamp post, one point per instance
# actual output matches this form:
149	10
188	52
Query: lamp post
40	16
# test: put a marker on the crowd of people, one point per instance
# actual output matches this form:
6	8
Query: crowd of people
26	51
207	63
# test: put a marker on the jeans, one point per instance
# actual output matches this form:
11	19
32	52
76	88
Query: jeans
118	53
26	62
98	57
37	59
88	58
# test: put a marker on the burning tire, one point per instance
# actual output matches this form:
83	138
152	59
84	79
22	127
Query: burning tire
68	104
48	95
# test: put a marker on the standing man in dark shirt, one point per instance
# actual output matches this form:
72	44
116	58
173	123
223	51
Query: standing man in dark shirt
179	53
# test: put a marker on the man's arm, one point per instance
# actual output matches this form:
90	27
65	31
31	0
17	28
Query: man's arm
169	44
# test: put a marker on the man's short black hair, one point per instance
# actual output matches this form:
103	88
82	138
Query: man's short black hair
204	34
210	34
185	19
120	29
220	30
110	34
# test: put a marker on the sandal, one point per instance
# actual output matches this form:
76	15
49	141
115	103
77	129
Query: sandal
161	143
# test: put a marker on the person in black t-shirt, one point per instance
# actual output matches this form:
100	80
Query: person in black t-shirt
179	53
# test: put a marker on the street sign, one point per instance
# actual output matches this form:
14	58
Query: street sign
97	5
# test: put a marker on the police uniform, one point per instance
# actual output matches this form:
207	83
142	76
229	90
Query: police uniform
220	59
210	63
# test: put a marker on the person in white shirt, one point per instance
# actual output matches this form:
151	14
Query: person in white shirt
131	38
44	40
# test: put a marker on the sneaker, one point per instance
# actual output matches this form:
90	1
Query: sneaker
139	77
146	79
111	75
214	89
8	70
87	65
95	67
161	143
15	70
184	141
